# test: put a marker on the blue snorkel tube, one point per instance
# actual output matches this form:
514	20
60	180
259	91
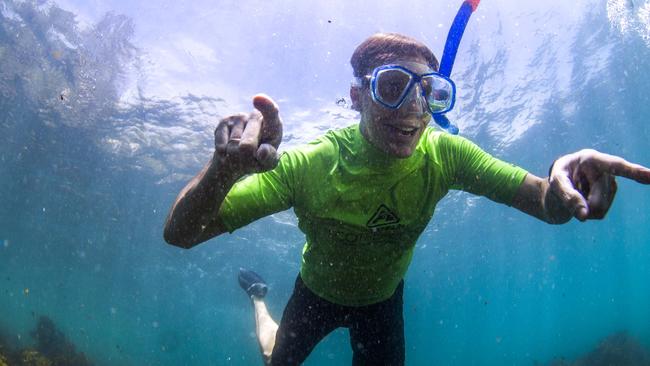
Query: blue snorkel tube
449	54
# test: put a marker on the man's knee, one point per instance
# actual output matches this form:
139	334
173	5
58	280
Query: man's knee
378	351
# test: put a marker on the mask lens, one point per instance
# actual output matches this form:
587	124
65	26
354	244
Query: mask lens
391	85
438	93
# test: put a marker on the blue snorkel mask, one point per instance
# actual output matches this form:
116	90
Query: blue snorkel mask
393	85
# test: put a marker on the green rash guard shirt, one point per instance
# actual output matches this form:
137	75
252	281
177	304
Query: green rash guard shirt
362	210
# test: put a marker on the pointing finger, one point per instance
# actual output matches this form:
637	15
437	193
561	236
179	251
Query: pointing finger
618	166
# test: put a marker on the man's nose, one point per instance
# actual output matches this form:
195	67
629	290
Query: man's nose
414	102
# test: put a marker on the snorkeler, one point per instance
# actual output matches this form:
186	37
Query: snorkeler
364	194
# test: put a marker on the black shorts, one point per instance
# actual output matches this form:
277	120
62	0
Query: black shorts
376	331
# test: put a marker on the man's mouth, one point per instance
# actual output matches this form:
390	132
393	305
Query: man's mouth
402	130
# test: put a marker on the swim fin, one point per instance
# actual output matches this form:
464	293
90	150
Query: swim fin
252	283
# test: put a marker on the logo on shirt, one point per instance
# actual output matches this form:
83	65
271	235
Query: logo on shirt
382	217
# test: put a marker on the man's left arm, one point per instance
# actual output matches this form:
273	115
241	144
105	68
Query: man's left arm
580	185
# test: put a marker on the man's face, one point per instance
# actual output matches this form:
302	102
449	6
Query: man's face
395	131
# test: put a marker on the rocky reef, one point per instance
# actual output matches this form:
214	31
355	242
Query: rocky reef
619	349
51	348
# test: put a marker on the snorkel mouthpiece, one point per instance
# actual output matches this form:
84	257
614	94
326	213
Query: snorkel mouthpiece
449	54
444	122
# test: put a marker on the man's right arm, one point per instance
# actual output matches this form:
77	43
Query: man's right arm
244	144
194	217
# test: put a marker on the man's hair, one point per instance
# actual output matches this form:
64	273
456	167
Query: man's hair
384	47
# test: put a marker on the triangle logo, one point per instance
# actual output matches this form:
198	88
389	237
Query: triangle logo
382	217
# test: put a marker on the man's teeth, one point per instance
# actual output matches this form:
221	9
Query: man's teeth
404	130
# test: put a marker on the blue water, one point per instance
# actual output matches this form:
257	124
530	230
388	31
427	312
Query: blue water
96	144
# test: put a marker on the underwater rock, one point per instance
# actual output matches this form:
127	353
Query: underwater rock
52	343
619	349
48	338
52	349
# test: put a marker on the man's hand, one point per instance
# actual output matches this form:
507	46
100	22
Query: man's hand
584	181
243	144
247	144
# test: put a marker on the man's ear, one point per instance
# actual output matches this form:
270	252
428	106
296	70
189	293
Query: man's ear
355	96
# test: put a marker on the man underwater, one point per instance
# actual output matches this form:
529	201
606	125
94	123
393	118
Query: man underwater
364	194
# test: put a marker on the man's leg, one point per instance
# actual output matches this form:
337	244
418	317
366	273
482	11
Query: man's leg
377	332
265	328
306	320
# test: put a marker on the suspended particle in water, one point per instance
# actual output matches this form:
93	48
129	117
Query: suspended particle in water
341	102
26	291
5	243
